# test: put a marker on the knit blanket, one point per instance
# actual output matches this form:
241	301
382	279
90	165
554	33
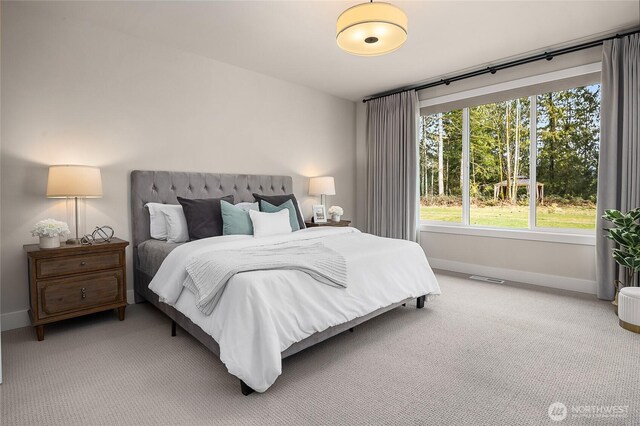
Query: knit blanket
209	273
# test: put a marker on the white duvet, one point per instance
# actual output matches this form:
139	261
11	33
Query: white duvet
262	313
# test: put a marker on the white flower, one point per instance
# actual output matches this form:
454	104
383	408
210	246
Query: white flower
337	210
49	228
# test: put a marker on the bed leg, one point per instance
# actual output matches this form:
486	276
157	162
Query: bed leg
246	390
420	302
137	298
173	328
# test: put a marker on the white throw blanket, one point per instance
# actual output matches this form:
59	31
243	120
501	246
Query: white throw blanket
210	273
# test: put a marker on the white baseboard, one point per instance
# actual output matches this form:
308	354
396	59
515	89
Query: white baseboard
16	319
545	280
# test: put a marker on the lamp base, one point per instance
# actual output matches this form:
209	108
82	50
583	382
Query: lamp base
76	218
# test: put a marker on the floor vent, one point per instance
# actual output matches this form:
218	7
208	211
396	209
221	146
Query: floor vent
487	279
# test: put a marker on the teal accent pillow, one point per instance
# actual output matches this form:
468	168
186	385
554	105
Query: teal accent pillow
235	221
267	207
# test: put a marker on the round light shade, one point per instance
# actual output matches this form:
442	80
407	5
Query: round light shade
74	181
322	185
371	29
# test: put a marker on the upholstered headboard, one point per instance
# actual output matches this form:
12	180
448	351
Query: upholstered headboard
165	187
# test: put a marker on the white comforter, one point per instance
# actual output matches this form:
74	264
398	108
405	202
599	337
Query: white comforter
262	313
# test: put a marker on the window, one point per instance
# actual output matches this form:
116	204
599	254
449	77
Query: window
478	166
568	141
499	164
441	166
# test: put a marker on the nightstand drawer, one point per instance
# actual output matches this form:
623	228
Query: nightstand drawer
56	267
80	292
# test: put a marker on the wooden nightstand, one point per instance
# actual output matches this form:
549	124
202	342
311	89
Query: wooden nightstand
328	223
75	280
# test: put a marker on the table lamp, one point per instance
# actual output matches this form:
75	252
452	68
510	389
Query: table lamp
74	182
322	186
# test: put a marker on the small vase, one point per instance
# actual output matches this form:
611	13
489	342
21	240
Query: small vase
49	242
335	218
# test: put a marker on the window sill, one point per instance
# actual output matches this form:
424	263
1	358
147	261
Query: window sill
577	237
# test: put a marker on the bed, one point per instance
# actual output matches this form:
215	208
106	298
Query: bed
256	361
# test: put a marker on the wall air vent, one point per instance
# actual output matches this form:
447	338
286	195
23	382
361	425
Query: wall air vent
487	279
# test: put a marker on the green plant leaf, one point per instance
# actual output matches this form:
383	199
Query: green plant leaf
617	236
633	239
626	235
623	258
634	214
611	214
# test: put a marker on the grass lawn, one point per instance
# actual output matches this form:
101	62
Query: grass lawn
516	216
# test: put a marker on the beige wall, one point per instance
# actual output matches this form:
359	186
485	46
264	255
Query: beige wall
74	93
550	264
559	265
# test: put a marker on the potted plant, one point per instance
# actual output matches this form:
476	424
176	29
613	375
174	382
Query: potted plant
626	235
335	212
49	231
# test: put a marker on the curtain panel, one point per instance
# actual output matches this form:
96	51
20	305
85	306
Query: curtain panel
392	165
619	164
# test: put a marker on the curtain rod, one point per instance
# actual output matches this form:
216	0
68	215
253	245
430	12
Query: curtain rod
495	68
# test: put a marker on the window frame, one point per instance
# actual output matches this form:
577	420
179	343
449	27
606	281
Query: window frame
533	232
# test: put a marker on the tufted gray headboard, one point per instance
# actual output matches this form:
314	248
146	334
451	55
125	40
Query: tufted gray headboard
165	187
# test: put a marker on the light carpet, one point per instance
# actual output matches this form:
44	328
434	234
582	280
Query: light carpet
481	353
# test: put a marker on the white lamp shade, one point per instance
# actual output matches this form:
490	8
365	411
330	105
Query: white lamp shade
74	181
371	29
323	185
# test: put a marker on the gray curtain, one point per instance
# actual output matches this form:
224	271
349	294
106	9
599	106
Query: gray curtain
619	166
392	164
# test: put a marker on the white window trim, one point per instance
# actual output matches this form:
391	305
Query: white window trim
514	84
533	161
575	237
533	233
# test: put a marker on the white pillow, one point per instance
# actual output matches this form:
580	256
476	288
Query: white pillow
177	231
158	224
247	206
265	224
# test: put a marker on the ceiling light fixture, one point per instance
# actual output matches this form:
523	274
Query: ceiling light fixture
371	29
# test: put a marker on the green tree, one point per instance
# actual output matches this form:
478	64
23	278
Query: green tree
451	159
569	141
567	146
499	147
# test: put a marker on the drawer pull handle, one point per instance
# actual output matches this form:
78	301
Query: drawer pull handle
83	292
83	263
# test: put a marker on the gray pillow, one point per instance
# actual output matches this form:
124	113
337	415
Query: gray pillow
204	218
277	200
235	220
267	207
